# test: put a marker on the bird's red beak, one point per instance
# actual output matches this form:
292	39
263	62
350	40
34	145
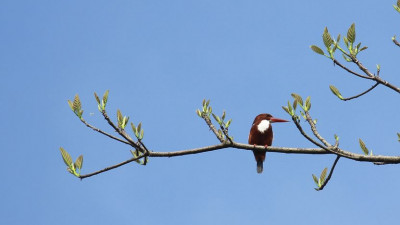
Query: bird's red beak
275	120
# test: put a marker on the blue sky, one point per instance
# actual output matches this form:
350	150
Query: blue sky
160	59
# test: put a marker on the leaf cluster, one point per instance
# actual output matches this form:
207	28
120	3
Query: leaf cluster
72	167
332	45
320	181
101	105
207	111
397	7
298	100
76	106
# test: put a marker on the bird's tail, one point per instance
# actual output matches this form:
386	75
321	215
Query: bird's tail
260	166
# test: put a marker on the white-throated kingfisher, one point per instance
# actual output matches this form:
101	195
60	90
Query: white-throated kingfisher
261	134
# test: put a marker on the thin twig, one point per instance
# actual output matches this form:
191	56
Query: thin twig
365	92
121	131
102	132
373	77
396	42
111	167
225	132
314	130
330	174
362	67
306	135
350	71
212	128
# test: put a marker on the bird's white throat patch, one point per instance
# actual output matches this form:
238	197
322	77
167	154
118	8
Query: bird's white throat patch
263	126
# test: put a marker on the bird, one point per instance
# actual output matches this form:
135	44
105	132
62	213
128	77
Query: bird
261	134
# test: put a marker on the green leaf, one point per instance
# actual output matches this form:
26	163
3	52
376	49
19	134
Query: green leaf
208	102
286	109
133	128
335	91
125	121
336	137
315	179
346	58
363	48
223	116
79	162
397	8
326	37
198	112
304	116
297	98
204	102
77	103
363	147
317	49
141	135
294	105
120	118
398	3
105	98
338	39
217	118
398	136
220	133
135	155
139	127
71	105
323	175
358	46
227	124
97	98
346	41
308	103
66	157
209	110
351	34
290	108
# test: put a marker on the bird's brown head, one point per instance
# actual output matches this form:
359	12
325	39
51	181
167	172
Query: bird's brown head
269	117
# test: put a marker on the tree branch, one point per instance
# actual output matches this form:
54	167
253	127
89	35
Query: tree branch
395	42
212	128
314	130
102	132
350	71
312	151
121	132
111	167
363	93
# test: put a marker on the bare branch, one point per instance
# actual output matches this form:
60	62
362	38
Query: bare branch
225	132
314	130
306	135
121	132
111	167
212	128
387	84
312	151
350	71
105	133
395	42
363	93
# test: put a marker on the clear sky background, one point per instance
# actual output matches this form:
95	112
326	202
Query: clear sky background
160	59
